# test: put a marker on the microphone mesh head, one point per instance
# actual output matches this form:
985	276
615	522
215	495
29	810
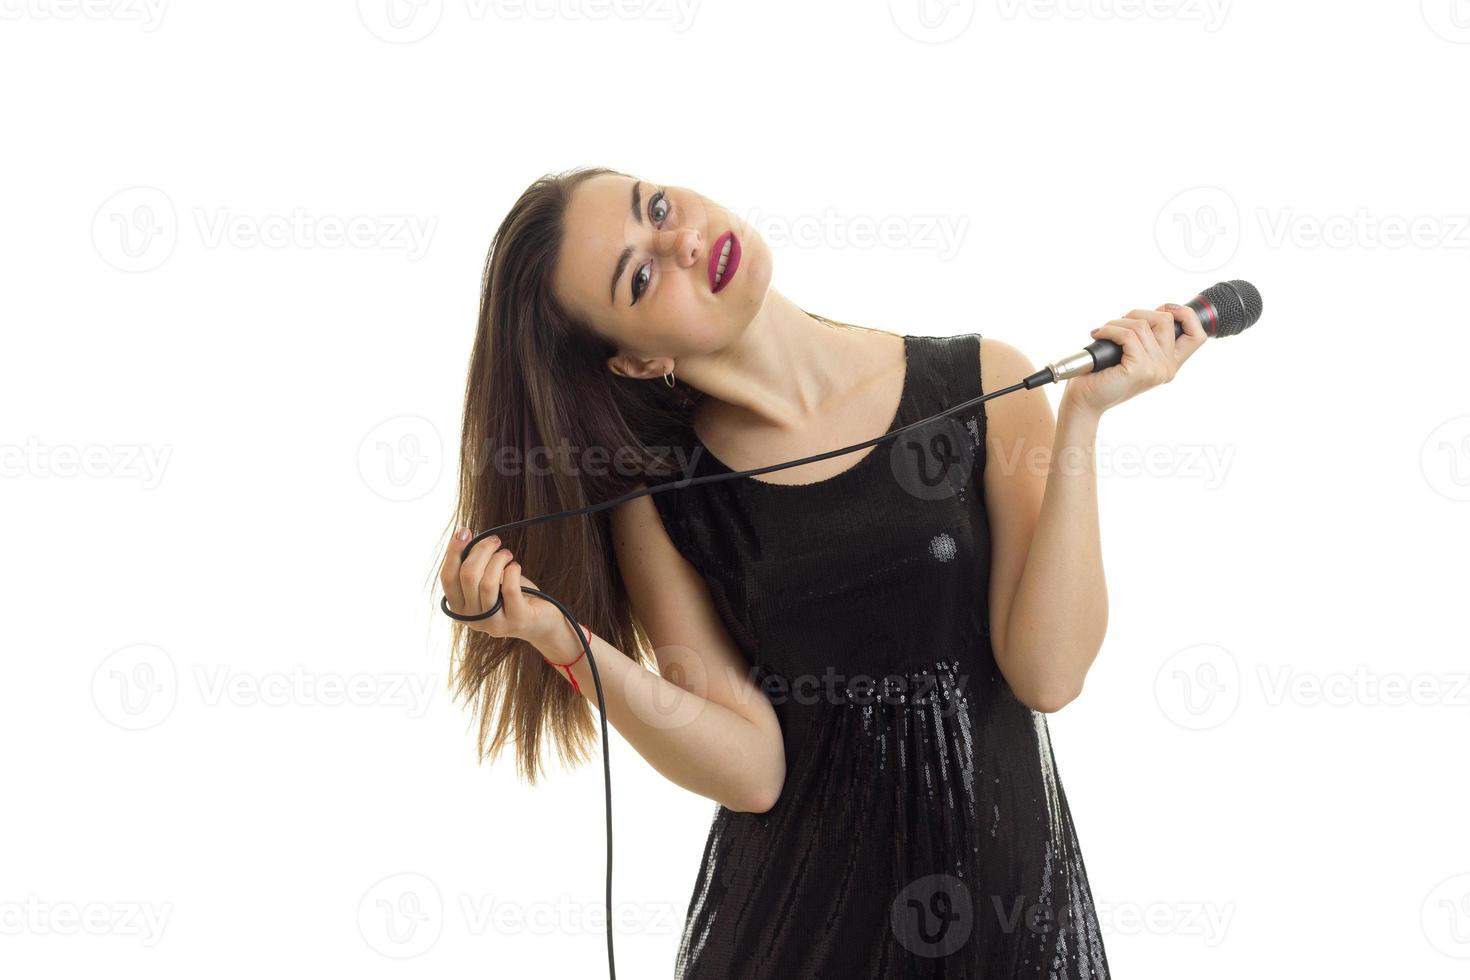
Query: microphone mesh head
1237	303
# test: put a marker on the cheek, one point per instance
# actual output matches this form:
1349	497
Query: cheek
680	303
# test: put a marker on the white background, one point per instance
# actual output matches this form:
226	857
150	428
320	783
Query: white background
228	451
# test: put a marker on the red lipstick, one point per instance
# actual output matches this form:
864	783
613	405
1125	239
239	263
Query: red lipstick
731	264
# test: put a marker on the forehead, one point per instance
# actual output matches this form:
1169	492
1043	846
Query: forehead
598	218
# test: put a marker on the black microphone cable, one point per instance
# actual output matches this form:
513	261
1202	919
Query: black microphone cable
1225	309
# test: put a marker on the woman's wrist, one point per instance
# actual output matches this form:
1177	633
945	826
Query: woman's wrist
557	645
565	651
1073	410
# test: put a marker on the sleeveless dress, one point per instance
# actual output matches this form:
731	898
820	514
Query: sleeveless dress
922	830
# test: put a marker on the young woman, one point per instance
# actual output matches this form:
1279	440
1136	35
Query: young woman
853	657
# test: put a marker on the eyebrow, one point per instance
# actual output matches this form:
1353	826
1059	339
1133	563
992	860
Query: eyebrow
627	252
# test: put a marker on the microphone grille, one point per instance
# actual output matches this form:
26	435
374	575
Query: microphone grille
1237	304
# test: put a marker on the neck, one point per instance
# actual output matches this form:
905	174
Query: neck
780	371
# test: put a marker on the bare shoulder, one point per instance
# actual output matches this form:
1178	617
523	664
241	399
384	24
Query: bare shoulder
1002	364
1019	418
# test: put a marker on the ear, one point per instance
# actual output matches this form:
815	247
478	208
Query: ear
639	369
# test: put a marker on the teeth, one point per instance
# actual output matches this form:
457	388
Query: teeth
724	260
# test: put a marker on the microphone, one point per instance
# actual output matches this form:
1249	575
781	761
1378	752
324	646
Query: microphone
1225	309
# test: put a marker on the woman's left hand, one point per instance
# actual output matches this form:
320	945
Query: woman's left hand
1151	356
490	571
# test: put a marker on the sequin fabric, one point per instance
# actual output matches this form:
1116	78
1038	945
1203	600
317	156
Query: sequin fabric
922	830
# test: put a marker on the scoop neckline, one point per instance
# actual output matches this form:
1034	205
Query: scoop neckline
872	453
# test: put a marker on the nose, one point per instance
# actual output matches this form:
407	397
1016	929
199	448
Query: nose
683	244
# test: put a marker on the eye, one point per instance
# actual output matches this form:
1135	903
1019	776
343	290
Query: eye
658	210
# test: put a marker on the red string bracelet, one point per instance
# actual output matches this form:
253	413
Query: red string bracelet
568	666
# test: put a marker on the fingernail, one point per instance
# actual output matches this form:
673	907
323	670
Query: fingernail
463	534
1172	306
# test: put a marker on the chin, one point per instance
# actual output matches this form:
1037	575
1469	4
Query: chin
753	279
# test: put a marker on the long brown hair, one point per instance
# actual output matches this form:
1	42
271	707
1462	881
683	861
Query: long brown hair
539	387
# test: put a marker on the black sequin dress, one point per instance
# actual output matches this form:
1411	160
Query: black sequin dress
922	830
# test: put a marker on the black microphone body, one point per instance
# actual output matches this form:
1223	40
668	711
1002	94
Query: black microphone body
1225	309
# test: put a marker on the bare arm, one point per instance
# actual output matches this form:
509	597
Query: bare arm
701	720
1048	596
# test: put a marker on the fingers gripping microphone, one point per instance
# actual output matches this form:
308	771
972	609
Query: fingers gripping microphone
1225	309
